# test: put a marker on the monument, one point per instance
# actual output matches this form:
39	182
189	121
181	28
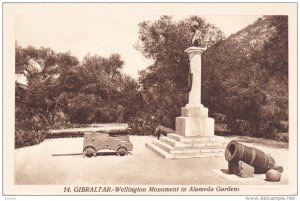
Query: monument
194	135
194	120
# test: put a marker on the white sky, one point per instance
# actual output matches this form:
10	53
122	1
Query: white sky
103	34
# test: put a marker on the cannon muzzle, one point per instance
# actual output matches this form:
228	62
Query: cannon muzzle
261	161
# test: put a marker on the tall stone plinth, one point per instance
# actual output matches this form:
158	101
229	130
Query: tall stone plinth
194	120
194	136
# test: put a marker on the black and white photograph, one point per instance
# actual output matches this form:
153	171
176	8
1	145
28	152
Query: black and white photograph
150	99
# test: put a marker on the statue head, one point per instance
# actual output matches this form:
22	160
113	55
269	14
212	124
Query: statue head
194	26
196	33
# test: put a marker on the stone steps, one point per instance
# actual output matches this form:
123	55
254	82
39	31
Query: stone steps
192	144
172	149
175	146
162	153
186	154
199	155
174	143
198	139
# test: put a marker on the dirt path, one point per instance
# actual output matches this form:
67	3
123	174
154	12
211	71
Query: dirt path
36	165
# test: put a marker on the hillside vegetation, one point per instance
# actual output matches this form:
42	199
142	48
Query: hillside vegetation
245	78
244	82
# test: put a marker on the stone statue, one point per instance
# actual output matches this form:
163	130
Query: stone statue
197	34
195	29
196	43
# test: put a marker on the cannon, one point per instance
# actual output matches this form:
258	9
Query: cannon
256	158
162	130
110	128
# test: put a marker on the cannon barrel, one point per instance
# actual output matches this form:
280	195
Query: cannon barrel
111	128
261	161
163	130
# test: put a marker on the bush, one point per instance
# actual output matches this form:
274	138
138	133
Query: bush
281	137
143	126
28	138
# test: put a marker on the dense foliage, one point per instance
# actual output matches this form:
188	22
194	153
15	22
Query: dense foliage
61	90
245	77
165	84
244	82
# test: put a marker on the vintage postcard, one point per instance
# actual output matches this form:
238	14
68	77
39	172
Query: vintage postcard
150	99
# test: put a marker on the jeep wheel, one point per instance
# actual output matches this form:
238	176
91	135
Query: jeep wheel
89	151
122	151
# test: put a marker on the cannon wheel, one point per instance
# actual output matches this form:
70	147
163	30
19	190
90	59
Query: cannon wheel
122	151
89	151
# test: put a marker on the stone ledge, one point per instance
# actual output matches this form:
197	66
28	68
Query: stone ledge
177	150
195	144
199	155
193	139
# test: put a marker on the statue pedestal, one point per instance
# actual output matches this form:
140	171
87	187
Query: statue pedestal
194	135
194	120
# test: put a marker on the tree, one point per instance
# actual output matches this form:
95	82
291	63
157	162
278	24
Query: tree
60	91
37	107
42	68
164	84
246	77
102	93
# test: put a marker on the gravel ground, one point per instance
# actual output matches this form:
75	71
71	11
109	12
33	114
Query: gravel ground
36	165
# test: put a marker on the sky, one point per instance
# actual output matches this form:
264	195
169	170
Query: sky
103	34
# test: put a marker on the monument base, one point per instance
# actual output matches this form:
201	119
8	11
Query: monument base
175	146
194	121
194	129
194	137
188	126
